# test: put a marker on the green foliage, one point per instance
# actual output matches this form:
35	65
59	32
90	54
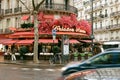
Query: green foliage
56	49
23	50
27	25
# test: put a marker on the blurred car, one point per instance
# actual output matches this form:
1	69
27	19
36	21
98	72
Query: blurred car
95	74
106	59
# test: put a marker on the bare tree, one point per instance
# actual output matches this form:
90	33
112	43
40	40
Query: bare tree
36	5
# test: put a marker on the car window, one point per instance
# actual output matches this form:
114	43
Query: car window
103	59
118	58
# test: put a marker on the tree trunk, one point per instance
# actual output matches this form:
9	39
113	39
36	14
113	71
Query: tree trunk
36	38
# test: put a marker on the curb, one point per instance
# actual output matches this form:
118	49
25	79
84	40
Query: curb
33	64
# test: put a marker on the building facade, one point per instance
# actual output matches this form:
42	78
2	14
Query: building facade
11	11
106	18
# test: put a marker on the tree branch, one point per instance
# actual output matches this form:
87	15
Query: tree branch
25	5
37	7
33	3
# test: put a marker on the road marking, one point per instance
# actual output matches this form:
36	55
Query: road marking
37	69
25	68
50	70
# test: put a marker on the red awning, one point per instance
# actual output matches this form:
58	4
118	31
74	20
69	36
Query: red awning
21	34
25	17
71	33
86	41
4	40
48	16
47	41
24	42
12	28
10	42
73	41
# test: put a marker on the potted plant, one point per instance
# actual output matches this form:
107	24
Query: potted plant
23	50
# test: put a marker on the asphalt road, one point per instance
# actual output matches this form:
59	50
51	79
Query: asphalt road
21	72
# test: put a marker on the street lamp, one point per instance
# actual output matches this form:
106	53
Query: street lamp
92	33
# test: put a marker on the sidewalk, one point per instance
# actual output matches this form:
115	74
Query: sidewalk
42	63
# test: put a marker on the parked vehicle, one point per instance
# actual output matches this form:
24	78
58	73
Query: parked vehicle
106	59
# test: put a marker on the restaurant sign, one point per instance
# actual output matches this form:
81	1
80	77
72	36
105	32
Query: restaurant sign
63	29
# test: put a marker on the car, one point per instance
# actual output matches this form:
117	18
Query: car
106	59
95	74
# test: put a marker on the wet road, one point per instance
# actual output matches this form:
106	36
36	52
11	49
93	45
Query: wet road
20	72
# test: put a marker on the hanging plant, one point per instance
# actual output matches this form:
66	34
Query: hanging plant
27	25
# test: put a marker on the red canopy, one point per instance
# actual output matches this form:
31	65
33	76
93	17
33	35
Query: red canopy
4	40
71	33
73	41
12	28
21	34
24	42
47	41
25	17
9	42
86	41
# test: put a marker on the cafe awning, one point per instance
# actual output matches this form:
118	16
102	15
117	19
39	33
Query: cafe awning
9	42
71	33
24	42
4	40
47	41
25	17
73	41
86	41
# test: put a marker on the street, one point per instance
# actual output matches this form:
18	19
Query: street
21	72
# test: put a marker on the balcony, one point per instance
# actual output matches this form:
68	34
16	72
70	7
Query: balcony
95	1
101	29
59	7
7	11
17	9
98	7
114	27
88	10
115	14
86	3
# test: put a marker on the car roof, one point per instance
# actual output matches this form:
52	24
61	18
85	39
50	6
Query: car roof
112	49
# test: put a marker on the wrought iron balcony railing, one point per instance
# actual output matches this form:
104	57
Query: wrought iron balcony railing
110	27
60	7
7	11
117	13
17	9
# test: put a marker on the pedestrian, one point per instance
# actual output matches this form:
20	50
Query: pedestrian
8	53
13	51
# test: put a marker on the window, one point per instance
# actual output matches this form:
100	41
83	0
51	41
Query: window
112	22
95	25
106	13
17	3
103	59
118	58
8	4
8	23
48	3
101	24
66	4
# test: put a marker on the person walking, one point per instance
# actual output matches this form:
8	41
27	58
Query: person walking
13	51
